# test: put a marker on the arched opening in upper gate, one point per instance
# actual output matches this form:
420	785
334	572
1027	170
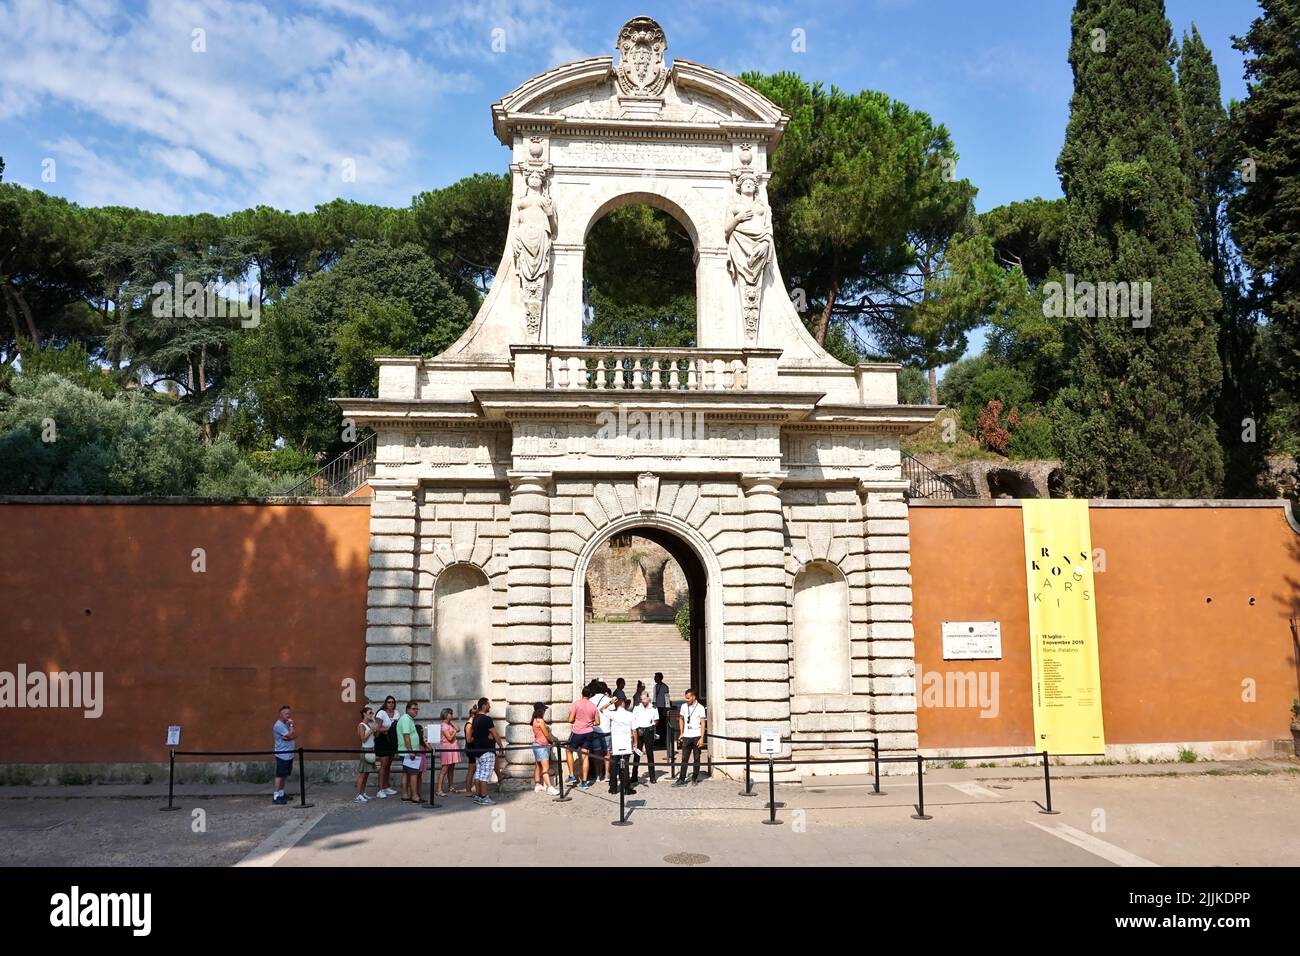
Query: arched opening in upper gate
640	275
645	600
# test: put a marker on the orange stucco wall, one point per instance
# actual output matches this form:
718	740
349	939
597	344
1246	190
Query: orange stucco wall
1194	601
277	617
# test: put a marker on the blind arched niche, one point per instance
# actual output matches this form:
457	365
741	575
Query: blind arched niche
462	634
821	631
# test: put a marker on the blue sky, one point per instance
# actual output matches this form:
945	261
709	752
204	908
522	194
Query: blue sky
284	93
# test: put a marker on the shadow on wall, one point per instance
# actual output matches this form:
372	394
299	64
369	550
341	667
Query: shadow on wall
207	616
1290	603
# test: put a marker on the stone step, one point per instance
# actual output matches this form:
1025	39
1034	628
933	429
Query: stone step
636	651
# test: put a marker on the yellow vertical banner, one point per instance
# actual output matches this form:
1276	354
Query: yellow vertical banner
1063	627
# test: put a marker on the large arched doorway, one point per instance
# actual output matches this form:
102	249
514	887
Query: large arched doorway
703	620
644	594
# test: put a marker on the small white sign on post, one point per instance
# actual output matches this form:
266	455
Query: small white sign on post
769	743
972	640
173	735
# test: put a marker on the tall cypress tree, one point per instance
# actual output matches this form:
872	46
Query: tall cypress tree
1213	153
1137	419
1265	214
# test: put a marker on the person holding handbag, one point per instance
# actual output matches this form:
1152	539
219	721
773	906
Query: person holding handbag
386	744
411	748
469	764
449	755
366	763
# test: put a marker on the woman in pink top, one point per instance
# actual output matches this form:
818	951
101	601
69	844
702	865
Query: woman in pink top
449	755
582	718
541	751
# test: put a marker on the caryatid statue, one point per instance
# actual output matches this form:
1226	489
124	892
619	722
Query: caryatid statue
749	246
534	230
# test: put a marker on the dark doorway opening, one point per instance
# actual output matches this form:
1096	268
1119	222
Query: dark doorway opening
661	608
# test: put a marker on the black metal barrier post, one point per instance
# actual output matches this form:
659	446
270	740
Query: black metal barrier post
619	770
749	779
559	775
433	775
672	755
920	790
1047	784
171	780
771	820
875	756
302	782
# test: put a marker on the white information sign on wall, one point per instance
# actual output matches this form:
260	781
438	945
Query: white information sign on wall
972	640
769	743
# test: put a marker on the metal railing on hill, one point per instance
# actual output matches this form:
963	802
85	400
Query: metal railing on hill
342	476
924	482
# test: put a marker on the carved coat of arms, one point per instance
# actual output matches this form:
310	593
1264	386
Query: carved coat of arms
641	45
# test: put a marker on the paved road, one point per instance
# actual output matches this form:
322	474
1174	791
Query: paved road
1187	819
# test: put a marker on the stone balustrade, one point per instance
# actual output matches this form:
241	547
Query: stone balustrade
628	369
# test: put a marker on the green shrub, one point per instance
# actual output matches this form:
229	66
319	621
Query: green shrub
957	379
1006	385
1032	438
913	387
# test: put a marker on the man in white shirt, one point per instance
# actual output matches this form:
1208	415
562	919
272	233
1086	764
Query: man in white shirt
620	734
661	704
644	719
691	724
604	704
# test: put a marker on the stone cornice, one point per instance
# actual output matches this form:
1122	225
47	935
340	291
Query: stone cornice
774	406
793	411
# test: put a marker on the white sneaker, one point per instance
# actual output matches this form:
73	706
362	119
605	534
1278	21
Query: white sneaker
360	798
390	791
538	788
552	790
382	794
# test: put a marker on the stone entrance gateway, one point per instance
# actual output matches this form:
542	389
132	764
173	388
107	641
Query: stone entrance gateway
505	461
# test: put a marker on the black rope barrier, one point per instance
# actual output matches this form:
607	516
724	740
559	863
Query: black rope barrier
623	782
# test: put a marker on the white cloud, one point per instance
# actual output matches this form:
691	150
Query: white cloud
99	181
268	112
183	161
